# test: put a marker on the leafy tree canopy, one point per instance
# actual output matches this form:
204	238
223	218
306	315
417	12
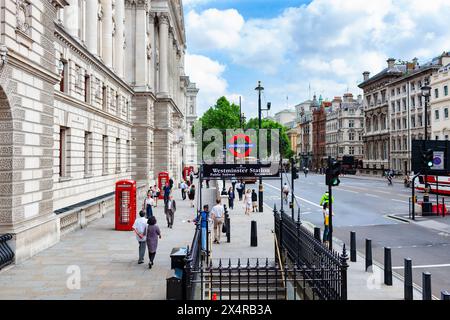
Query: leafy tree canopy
223	115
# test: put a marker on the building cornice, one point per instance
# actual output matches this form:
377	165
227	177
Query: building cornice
84	106
19	61
62	35
59	3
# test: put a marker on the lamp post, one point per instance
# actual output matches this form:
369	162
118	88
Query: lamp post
260	88
426	93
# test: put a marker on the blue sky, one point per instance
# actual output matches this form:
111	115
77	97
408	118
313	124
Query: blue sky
291	45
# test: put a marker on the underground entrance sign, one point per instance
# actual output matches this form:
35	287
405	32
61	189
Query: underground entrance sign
211	171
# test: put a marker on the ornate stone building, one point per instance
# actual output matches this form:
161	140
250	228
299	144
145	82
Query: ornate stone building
91	92
376	112
319	120
345	128
440	102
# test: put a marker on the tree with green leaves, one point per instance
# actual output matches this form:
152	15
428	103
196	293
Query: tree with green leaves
223	115
285	145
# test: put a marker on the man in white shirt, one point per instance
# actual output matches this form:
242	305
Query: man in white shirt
183	187
139	228
217	215
285	192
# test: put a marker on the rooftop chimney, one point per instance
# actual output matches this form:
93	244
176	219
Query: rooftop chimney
366	75
391	63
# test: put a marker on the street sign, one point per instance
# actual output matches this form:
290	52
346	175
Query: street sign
438	160
221	171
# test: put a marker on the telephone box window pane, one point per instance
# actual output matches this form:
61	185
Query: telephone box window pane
124	207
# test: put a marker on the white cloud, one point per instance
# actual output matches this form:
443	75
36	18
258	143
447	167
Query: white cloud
327	43
207	74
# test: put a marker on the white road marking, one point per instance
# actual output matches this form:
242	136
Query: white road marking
347	191
307	201
425	266
371	195
399	201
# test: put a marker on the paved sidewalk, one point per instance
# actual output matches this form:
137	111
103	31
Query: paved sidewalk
106	260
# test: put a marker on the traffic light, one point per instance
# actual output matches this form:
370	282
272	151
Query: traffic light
428	159
332	174
294	172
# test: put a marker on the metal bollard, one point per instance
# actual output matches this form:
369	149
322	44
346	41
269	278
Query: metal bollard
408	279
228	224
317	234
254	235
387	266
426	286
445	295
353	246
368	254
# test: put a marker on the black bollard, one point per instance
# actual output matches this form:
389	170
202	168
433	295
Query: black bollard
408	279
317	234
254	235
387	267
445	295
368	254
426	286
228	224
353	246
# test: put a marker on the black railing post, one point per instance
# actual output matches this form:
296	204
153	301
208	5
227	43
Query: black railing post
353	246
368	254
387	266
408	279
426	286
6	254
344	267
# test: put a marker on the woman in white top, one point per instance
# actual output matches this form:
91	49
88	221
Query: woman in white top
248	202
148	204
156	192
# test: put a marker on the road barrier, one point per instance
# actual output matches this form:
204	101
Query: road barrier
408	284
368	254
387	266
353	246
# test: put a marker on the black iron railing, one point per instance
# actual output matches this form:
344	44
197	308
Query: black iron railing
6	254
193	261
303	249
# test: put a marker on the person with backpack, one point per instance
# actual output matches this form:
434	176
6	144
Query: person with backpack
326	222
191	195
231	197
254	201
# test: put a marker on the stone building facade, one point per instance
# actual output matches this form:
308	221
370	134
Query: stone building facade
440	102
376	112
319	120
345	128
91	92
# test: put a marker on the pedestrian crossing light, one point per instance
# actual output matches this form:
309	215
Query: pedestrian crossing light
428	159
294	172
332	174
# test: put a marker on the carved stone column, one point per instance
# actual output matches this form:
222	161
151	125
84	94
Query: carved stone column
91	26
163	53
71	18
107	32
120	38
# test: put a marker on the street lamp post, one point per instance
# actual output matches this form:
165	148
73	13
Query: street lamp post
260	88
426	93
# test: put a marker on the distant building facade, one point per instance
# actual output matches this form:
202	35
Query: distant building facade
440	103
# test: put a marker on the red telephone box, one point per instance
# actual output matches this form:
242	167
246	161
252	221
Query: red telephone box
163	178
125	205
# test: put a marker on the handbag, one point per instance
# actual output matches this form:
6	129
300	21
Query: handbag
224	228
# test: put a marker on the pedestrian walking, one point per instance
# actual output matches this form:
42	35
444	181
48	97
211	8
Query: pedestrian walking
254	201
147	206
191	195
171	183
167	190
217	215
204	220
248	202
240	190
191	177
156	194
139	229
233	184
183	187
153	234
231	197
305	171
326	222
169	209
285	193
207	183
